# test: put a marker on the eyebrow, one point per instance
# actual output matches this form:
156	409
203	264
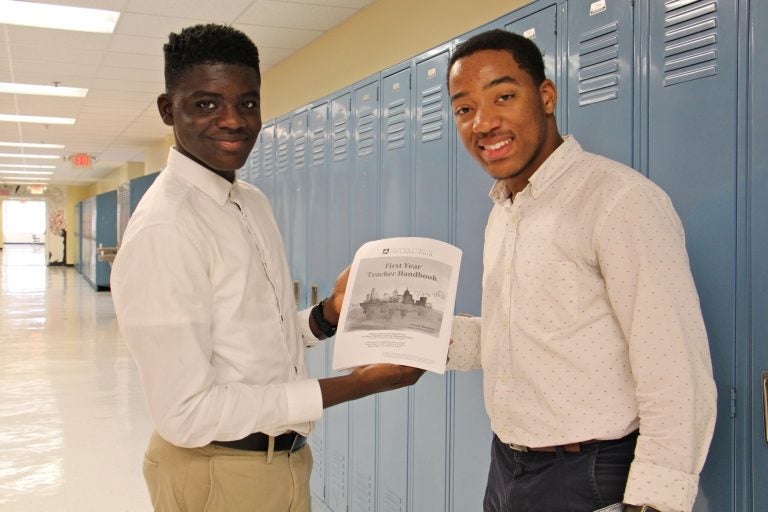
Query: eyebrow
506	79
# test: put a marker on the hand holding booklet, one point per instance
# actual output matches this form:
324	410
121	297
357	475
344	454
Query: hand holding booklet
398	306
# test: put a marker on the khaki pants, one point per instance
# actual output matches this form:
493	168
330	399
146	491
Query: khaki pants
218	479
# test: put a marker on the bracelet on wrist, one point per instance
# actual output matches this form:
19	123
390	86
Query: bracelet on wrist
326	328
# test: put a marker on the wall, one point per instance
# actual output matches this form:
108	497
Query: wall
74	196
379	36
111	181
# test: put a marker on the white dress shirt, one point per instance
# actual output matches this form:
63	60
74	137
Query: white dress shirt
204	301
591	325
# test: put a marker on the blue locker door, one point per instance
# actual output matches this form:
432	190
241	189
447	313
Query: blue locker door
396	133
255	162
298	203
758	187
365	227
106	234
79	236
600	77
317	206
281	203
692	155
267	181
430	218
339	256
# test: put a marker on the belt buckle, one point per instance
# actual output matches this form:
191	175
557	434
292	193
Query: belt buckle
518	447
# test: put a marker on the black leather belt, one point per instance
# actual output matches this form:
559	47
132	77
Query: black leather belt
259	442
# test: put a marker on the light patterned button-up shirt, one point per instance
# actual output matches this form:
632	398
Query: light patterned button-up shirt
205	303
591	325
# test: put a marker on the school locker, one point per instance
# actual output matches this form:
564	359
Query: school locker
395	178
266	181
430	217
692	155
365	227
339	256
255	163
757	384
600	77
318	282
282	198
297	216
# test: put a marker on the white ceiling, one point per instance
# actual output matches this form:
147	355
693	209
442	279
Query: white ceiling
123	71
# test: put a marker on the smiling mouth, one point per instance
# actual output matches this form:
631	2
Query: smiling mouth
495	145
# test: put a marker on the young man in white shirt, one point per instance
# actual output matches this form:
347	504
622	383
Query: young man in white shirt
204	301
596	366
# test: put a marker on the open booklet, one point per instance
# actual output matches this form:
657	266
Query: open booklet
398	307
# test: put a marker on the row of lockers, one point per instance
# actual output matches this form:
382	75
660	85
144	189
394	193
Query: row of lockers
100	221
662	86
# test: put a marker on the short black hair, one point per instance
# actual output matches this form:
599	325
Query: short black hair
523	50
207	44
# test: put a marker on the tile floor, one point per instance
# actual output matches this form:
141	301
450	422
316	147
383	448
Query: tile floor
73	425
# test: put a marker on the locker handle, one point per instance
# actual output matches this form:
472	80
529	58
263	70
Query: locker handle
764	379
296	290
314	294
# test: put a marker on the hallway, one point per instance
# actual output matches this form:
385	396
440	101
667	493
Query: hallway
73	424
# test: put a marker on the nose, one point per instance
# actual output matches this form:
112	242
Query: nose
486	119
230	118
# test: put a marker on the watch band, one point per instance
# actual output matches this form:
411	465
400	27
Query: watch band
317	313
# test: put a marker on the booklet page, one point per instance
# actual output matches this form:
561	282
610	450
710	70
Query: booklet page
398	306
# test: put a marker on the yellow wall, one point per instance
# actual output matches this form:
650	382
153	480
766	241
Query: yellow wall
383	34
74	196
156	156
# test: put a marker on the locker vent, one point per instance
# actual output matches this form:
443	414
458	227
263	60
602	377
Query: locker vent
338	475
363	492
282	155
300	151
432	114
318	147
392	501
690	40
396	119
254	162
318	454
599	64
365	135
269	159
340	140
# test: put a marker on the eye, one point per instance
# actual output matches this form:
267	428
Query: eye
206	105
506	97
461	111
250	104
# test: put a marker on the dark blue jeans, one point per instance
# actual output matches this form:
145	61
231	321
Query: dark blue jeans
558	482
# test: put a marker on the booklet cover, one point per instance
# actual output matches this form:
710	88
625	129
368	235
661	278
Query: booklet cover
398	306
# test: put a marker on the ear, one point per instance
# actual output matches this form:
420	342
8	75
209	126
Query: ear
548	93
165	107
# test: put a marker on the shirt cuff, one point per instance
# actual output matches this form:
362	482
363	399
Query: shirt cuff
307	336
464	351
662	488
305	402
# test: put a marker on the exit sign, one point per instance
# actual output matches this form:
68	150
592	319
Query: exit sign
81	160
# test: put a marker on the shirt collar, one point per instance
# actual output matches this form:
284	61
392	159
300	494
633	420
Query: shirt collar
553	167
203	179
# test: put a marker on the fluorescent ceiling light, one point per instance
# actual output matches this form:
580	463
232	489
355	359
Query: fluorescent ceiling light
61	17
21	155
27	172
22	166
7	178
43	90
36	119
31	145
